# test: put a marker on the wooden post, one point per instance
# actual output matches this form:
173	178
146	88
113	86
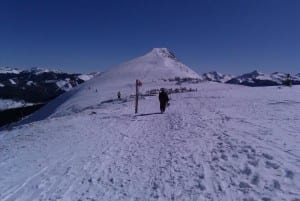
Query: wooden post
136	96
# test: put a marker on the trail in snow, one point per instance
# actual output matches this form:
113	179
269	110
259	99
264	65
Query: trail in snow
220	143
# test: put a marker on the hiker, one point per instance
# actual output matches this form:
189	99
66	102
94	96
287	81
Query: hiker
163	99
288	80
119	95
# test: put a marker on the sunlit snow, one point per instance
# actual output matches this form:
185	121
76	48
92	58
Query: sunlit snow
221	142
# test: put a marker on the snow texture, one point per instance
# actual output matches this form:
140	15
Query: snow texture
221	142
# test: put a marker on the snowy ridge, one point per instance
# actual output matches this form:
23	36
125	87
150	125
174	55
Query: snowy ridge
34	70
38	70
153	69
6	70
256	78
216	77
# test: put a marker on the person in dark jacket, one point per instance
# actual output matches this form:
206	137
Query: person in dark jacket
163	99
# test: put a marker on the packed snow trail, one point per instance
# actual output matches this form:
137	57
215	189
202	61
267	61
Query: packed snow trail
220	143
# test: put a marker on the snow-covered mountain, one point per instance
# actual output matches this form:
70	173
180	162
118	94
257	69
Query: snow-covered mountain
153	69
37	84
217	77
219	142
158	64
256	78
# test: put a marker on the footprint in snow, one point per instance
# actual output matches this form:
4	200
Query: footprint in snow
253	162
272	165
267	156
247	171
289	174
276	184
255	179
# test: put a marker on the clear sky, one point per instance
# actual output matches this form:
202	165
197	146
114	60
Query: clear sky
230	36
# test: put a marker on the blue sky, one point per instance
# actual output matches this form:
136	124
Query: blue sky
232	36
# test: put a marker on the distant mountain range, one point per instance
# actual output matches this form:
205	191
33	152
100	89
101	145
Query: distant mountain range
253	79
37	85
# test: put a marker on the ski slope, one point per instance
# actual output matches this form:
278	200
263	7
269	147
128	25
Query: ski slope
222	142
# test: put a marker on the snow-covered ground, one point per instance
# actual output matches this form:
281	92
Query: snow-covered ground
223	142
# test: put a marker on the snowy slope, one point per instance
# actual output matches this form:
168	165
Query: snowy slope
153	69
158	64
223	142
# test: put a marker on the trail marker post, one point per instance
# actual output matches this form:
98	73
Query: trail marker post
138	84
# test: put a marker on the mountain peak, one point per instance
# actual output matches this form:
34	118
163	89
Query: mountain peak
216	76
255	72
164	52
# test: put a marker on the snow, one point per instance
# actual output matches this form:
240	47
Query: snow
8	104
6	70
35	70
38	70
277	78
61	83
12	81
64	85
85	77
30	83
221	142
264	77
2	85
